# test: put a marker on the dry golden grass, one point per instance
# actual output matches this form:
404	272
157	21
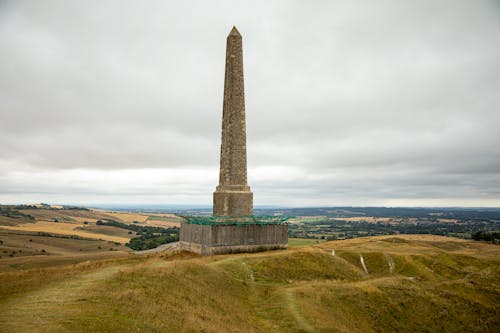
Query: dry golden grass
78	217
62	228
437	284
85	214
166	216
128	217
64	215
23	250
62	258
299	242
47	215
84	219
369	219
415	244
163	220
4	220
107	231
165	224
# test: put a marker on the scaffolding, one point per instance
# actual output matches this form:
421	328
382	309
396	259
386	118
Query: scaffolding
236	220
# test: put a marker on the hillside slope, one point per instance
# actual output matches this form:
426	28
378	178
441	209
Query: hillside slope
403	283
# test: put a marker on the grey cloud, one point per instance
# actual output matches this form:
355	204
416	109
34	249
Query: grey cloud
357	102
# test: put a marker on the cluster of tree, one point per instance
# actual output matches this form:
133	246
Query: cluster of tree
47	234
149	237
490	236
45	206
332	229
25	207
401	212
40	206
75	208
140	230
150	241
14	213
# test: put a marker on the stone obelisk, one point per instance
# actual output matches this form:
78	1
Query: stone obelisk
233	228
232	196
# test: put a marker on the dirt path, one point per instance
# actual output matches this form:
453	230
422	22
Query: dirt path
42	310
391	263
291	302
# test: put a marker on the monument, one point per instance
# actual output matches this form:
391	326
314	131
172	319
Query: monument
233	197
233	228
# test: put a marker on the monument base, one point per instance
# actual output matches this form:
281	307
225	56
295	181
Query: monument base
210	239
235	203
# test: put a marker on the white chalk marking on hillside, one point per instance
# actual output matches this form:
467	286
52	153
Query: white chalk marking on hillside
333	253
391	263
362	260
250	271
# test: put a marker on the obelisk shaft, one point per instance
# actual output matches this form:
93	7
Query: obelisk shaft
232	196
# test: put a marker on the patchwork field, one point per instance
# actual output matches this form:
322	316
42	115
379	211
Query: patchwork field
374	284
77	229
64	214
44	237
300	242
390	220
82	223
163	220
369	219
22	250
128	217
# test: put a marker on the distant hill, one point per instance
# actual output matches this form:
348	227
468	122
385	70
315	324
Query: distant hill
404	283
38	236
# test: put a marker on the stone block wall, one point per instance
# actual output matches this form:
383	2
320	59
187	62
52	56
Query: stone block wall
218	239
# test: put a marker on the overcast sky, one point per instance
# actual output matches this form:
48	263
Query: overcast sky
393	103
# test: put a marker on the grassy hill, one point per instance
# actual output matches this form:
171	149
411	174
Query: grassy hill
404	283
42	236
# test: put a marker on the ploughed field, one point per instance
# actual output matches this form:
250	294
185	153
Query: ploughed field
411	283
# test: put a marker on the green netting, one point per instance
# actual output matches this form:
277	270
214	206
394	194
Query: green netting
235	220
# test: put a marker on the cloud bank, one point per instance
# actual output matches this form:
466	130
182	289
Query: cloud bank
393	103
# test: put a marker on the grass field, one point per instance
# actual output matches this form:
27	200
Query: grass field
128	217
164	220
62	228
63	214
298	242
23	250
390	220
82	223
411	284
369	219
74	238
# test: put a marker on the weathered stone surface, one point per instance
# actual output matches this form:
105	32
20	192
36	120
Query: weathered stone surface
233	203
232	196
217	239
